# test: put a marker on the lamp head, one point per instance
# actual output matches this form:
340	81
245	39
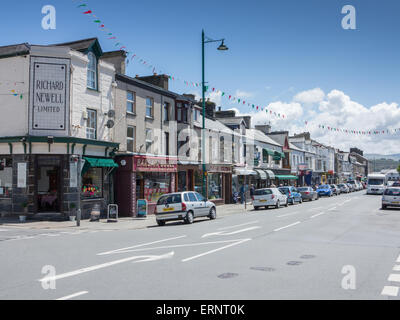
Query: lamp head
222	46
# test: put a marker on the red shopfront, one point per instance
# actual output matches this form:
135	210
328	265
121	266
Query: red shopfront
142	177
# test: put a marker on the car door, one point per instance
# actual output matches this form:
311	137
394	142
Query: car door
203	209
195	205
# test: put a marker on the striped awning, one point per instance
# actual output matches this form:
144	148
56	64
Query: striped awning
271	174
262	174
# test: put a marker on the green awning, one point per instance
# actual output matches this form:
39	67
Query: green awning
270	152
98	163
286	177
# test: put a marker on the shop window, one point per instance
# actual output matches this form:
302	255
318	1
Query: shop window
156	185
198	181
214	186
92	183
5	177
182	181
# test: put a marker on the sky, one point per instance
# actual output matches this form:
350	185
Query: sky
291	56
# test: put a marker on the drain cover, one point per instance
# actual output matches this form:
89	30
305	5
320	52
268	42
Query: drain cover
307	256
227	275
294	263
266	269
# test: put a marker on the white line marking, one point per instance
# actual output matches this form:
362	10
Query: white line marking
223	233
396	268
107	264
73	295
390	291
290	225
139	245
239	225
288	214
333	208
317	208
398	259
215	250
318	214
394	277
2	230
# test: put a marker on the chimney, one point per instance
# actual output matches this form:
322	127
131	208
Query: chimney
157	80
117	58
265	128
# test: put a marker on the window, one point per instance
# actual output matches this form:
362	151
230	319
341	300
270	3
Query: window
200	197
5	177
92	183
130	102
166	111
196	114
91	124
214	186
182	112
166	140
149	140
149	107
92	71
192	197
130	139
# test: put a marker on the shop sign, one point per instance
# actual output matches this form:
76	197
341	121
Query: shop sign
141	208
49	96
154	165
219	169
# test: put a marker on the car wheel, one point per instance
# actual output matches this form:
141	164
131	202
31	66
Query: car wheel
287	203
213	214
161	223
278	204
301	200
256	208
384	207
189	217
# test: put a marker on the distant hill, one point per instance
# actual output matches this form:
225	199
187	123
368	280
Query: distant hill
371	156
380	163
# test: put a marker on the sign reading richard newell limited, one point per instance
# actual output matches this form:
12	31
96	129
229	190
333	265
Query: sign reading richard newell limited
49	96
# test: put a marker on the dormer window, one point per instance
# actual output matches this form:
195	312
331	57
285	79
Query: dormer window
92	71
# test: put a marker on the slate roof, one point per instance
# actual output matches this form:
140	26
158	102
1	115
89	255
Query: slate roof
15	50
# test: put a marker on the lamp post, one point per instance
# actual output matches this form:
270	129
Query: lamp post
221	47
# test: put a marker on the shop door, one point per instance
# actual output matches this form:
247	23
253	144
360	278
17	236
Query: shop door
48	186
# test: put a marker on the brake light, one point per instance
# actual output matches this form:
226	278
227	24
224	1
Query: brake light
307	192
273	197
183	206
252	197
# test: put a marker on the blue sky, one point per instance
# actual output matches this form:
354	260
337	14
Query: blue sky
277	48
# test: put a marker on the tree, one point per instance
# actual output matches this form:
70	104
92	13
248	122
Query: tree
398	168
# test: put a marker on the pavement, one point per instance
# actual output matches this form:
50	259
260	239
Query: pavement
342	247
122	223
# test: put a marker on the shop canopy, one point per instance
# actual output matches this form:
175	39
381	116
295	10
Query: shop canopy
244	172
262	174
286	177
98	163
270	152
271	174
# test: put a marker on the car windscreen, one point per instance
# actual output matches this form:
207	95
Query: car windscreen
169	199
392	192
262	192
286	190
375	182
323	187
303	189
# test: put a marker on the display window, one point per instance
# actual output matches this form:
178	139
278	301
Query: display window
156	185
92	183
5	177
214	182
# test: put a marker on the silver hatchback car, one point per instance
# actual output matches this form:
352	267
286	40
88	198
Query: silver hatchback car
184	206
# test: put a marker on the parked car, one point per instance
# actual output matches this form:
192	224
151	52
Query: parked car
325	190
308	193
267	197
184	206
343	188
351	187
335	189
396	184
354	185
292	194
391	197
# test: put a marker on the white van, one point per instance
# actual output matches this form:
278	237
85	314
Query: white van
376	183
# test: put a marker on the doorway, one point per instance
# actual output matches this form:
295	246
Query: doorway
48	186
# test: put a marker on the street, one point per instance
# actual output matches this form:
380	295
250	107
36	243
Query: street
299	252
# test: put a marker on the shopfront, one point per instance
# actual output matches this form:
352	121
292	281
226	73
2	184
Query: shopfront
143	178
219	183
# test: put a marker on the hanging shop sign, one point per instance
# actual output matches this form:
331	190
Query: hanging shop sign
49	96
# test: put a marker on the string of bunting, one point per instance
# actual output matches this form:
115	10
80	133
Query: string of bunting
133	57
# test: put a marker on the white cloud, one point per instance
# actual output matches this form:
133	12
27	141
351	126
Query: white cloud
310	96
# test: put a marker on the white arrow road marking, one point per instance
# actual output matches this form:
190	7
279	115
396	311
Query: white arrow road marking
73	295
396	268
2	230
107	264
288	214
318	214
138	246
178	246
394	277
390	291
333	208
223	233
290	225
238	225
215	250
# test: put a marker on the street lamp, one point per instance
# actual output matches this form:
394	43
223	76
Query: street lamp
222	47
